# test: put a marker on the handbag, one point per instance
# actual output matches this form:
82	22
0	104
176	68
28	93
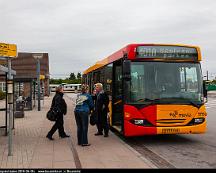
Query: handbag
93	118
52	114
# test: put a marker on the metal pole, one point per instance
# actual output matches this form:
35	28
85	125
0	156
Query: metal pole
43	91
38	83
10	111
13	103
34	95
30	95
6	105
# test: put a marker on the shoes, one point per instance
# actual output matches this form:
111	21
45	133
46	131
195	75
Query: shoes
65	136
97	134
49	137
106	135
85	145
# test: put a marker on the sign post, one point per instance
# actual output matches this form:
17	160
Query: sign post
7	52
10	102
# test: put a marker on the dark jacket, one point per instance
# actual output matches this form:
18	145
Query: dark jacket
60	103
101	104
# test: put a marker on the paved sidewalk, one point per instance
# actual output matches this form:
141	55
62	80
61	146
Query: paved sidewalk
31	149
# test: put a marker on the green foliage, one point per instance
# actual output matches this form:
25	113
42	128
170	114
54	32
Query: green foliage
72	76
2	95
79	75
74	79
56	81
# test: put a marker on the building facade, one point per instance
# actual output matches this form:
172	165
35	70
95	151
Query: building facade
25	66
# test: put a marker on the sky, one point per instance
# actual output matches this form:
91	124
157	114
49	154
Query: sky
77	34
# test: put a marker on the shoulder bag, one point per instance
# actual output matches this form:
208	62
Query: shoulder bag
52	114
93	118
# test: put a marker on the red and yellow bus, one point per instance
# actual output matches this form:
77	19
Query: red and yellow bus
153	89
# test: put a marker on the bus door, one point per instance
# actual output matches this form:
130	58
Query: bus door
90	82
117	95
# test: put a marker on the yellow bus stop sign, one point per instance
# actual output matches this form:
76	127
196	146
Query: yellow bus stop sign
42	77
8	50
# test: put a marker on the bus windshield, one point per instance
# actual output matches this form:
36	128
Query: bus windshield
165	82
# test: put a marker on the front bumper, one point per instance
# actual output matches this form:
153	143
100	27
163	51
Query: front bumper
134	130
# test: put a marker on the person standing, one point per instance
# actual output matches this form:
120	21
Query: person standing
84	104
59	103
101	109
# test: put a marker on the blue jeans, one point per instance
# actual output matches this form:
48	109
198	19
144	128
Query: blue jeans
82	121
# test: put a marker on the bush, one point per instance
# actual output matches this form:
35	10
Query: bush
2	95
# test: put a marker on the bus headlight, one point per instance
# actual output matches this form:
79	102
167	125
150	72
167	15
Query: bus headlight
198	120
141	122
138	122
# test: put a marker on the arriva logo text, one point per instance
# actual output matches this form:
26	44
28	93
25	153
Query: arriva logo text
175	114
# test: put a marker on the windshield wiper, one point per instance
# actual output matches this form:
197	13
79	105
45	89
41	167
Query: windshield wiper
143	100
189	101
149	101
194	104
167	101
146	100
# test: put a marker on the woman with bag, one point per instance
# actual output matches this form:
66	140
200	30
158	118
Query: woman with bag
84	105
58	103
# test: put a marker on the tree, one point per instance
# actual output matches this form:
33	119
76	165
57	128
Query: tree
72	76
74	79
79	75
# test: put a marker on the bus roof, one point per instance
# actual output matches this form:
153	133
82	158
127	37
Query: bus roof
129	50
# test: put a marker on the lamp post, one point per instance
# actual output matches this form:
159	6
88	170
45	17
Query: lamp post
38	57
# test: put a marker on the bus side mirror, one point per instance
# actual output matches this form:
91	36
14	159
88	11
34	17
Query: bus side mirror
205	90
127	70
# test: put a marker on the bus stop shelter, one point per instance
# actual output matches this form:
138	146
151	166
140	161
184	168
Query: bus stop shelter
7	53
4	101
25	88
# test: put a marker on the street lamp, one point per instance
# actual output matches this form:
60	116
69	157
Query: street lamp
38	56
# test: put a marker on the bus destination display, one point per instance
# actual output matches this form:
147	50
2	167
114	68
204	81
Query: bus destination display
167	52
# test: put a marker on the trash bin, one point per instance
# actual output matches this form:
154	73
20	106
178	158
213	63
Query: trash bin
19	112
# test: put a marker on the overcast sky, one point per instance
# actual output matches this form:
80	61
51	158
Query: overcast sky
76	34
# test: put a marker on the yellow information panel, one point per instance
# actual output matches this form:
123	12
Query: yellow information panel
42	77
8	50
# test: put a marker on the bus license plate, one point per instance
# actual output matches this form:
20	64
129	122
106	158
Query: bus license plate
170	131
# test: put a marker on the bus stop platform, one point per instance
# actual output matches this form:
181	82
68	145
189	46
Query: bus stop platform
31	148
